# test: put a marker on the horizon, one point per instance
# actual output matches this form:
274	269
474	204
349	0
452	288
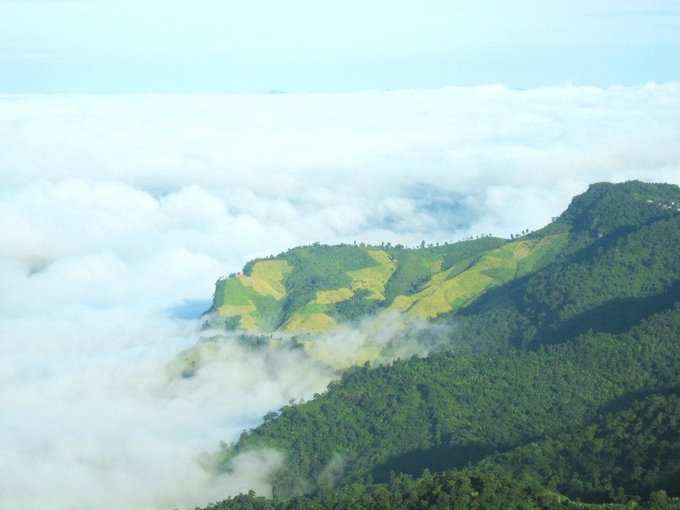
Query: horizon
76	46
148	148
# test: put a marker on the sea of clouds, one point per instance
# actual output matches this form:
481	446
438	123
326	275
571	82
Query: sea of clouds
118	213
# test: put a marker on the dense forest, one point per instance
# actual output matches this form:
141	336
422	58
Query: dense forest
438	492
631	447
450	410
559	387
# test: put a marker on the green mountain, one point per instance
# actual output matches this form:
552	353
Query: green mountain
544	286
620	264
439	491
450	410
633	444
314	288
561	368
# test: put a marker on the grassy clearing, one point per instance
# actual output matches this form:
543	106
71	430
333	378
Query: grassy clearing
253	299
416	267
234	310
463	282
309	323
249	322
267	278
330	297
402	303
542	253
374	278
231	292
311	308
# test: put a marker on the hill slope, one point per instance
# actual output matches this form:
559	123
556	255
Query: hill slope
620	264
448	410
575	319
313	288
613	249
439	491
630	448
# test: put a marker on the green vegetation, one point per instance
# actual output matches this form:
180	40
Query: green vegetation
316	287
416	267
604	237
238	298
561	371
459	285
609	286
321	268
282	292
449	410
267	277
607	209
375	277
313	288
434	491
632	447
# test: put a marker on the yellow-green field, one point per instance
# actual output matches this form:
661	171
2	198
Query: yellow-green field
267	278
236	310
330	297
309	323
374	278
257	299
451	289
241	296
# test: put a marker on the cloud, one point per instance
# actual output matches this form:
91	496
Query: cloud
117	210
379	340
97	420
333	471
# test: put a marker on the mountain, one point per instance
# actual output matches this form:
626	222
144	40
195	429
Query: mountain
541	287
434	491
633	444
619	264
314	288
450	410
560	369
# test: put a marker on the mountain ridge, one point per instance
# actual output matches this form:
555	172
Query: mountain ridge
534	359
311	290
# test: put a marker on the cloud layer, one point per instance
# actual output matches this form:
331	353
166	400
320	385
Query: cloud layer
119	212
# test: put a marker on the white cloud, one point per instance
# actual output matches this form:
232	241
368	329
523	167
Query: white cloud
116	209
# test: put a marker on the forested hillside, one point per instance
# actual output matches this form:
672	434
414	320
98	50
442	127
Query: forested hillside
631	447
450	410
620	265
439	492
609	233
561	369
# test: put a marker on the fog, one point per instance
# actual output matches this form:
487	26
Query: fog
118	214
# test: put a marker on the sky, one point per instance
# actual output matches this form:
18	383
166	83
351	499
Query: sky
255	46
142	157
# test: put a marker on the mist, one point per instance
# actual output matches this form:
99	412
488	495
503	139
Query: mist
119	213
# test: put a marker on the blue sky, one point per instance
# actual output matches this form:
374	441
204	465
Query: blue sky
332	45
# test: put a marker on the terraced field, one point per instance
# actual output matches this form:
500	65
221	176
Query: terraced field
307	321
330	297
254	301
462	283
313	289
267	278
374	278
